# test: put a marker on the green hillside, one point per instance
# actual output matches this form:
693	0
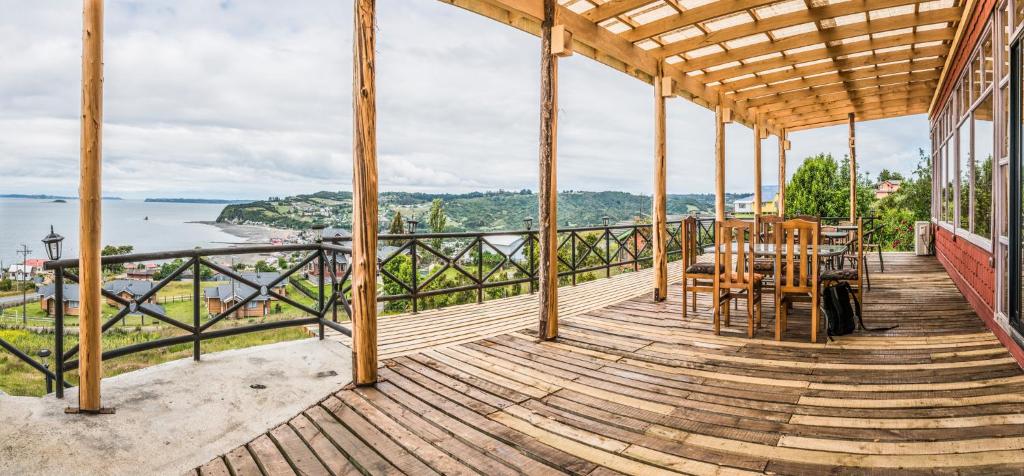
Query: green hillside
476	211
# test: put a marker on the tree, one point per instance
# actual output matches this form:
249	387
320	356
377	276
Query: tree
238	266
167	268
438	220
816	188
282	263
396	228
111	250
263	267
887	174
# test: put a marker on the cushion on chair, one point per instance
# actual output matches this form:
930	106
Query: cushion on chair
845	274
703	268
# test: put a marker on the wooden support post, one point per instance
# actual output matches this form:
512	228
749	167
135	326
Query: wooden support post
90	211
853	169
720	162
782	173
364	197
548	191
757	161
659	233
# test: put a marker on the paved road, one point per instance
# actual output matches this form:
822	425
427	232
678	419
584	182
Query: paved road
7	301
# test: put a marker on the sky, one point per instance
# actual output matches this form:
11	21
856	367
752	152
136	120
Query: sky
249	99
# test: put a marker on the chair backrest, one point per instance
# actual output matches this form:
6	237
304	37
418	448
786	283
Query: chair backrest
766	227
796	255
813	218
734	250
689	244
858	246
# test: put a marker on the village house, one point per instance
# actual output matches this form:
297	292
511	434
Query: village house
143	271
47	299
744	207
128	289
886	188
226	295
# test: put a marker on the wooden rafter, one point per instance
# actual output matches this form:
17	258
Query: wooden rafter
785	59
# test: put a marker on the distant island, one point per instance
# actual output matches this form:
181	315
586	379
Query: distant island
48	197
475	211
206	201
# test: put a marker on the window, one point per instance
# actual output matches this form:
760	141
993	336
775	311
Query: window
251	304
964	174
949	167
984	134
72	304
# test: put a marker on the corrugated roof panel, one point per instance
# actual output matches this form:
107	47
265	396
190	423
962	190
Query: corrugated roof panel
681	34
728	21
781	8
653	14
891	12
699	52
794	30
747	41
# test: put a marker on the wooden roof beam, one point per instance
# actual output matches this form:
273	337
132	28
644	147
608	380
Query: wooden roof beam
598	43
896	79
906	39
824	101
929	65
841	65
692	17
850	106
898	22
784	114
814	14
863	115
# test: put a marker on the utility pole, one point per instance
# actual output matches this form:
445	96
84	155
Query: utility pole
24	251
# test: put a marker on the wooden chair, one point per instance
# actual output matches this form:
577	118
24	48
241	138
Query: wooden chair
766	234
871	246
854	273
735	277
697	277
797	278
811	218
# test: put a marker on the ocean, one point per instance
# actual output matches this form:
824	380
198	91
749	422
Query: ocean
124	223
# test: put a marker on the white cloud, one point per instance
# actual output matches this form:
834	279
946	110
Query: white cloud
250	99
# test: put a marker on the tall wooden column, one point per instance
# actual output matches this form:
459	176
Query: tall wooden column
782	173
90	210
757	162
548	190
364	197
853	169
659	234
720	113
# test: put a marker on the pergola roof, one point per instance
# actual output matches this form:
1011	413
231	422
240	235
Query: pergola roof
800	63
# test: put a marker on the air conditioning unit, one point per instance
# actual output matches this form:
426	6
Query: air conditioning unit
922	238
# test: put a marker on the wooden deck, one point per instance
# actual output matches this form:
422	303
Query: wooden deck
629	388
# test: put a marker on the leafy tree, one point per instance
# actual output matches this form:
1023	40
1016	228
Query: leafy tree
397	227
263	267
816	188
282	263
887	174
238	266
167	268
6	284
438	219
111	250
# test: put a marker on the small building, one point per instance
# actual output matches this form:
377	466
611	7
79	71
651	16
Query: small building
886	188
769	202
25	271
128	289
48	297
264	278
142	271
224	296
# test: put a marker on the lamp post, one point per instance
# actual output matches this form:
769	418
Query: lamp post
410	228
54	247
411	225
528	222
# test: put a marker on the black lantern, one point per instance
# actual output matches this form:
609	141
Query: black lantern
605	218
318	232
53	244
528	221
410	226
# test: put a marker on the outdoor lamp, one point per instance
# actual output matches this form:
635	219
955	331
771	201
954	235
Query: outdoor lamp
318	231
528	221
410	226
606	220
53	245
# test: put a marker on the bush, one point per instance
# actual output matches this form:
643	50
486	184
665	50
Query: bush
897	229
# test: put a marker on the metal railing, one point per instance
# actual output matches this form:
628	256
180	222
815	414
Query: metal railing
324	312
415	268
419	266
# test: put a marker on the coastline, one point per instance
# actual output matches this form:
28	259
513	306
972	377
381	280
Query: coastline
252	233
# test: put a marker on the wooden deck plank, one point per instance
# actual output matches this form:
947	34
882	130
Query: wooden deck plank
632	388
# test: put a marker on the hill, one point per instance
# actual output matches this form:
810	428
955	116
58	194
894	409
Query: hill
476	211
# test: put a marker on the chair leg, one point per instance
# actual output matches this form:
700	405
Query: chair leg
684	296
727	313
780	308
717	314
750	312
693	295
814	317
881	262
867	272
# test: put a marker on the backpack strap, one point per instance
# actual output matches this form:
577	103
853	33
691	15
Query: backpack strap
860	316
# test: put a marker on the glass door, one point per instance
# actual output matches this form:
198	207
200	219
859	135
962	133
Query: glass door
1016	130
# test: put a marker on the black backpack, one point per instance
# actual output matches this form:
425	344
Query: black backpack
839	314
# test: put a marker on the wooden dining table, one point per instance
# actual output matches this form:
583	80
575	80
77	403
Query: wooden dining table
768	249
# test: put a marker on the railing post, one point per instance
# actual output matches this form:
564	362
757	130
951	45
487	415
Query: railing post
607	252
196	350
58	331
636	248
480	270
320	293
335	286
572	246
415	276
533	271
